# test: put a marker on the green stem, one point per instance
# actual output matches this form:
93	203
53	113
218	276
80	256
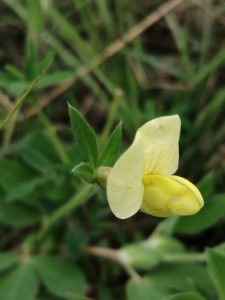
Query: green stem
51	131
82	195
118	94
10	128
131	272
21	100
112	254
185	257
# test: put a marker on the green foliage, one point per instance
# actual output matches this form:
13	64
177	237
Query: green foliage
179	276
48	229
142	289
209	215
186	296
61	278
18	215
13	173
141	257
37	160
85	137
110	150
206	186
20	283
7	260
84	170
35	15
216	260
164	244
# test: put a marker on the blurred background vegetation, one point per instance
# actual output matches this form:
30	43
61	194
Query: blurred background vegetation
149	58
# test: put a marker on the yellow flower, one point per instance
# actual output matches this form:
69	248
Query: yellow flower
141	178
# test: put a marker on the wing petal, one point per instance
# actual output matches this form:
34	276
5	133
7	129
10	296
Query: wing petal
124	185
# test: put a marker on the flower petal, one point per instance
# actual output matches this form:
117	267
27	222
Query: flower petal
124	185
167	195
192	188
161	152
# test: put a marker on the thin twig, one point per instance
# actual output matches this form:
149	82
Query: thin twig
109	51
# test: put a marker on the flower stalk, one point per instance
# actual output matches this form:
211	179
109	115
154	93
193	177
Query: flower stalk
114	255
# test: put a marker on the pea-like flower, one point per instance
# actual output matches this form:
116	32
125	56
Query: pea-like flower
142	177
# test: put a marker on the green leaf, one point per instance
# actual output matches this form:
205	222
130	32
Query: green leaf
35	15
175	276
208	68
110	151
164	244
13	174
7	260
18	215
31	59
37	160
140	256
207	116
206	186
72	243
85	137
142	290
84	170
19	284
186	296
76	239
46	62
13	71
74	154
220	248
159	62
13	86
61	278
55	78
26	188
216	263
208	216
41	143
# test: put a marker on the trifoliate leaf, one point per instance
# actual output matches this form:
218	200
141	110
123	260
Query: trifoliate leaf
61	278
19	284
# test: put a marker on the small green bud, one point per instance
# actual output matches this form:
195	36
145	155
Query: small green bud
101	176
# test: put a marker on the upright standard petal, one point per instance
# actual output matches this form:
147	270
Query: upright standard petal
124	185
161	152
